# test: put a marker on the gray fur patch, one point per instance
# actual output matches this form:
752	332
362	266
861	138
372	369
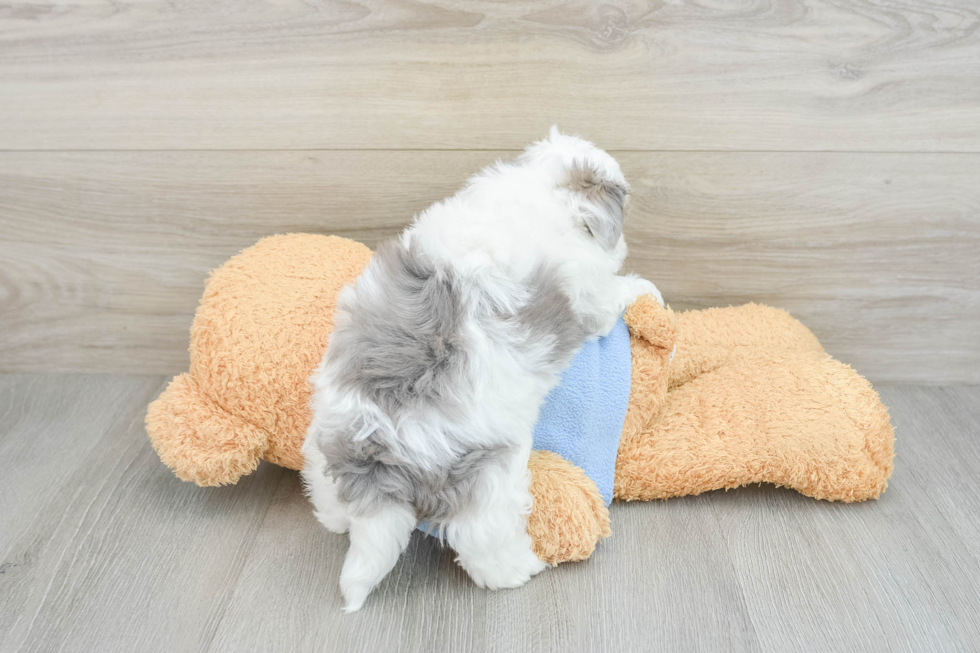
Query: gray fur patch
549	319
606	200
369	477
404	343
404	349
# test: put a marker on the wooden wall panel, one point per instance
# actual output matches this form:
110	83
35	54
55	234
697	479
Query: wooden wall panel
679	75
104	254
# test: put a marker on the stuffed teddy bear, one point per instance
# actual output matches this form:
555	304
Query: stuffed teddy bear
718	398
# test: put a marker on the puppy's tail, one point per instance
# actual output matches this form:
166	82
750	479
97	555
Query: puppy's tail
376	542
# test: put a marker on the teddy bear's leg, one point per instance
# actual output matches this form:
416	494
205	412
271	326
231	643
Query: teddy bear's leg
803	421
198	439
569	516
710	338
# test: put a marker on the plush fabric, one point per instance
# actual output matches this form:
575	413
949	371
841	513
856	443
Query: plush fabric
569	516
755	399
582	418
259	332
749	397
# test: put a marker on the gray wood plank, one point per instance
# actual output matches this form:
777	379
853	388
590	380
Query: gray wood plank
944	461
123	557
942	457
47	425
874	253
891	574
50	425
103	549
658	574
105	254
425	604
662	582
777	75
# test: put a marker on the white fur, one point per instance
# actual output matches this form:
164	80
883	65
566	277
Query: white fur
491	538
376	541
322	490
509	220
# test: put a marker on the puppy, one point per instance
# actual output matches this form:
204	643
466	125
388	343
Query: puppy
443	351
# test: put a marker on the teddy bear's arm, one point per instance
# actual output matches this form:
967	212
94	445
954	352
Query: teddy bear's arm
652	338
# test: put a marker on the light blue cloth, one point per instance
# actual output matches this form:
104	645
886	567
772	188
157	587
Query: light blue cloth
582	418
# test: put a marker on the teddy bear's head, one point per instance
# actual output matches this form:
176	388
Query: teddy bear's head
259	332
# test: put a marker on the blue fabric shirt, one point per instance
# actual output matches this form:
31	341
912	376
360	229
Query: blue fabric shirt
582	417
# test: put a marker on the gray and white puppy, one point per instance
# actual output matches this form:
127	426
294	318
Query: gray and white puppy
443	351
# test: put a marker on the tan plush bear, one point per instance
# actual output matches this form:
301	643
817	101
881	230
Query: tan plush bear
750	396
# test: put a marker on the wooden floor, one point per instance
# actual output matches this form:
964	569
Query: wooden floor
103	549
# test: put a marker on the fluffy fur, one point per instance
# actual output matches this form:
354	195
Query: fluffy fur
426	399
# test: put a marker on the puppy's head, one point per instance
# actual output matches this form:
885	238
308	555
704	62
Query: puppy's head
596	190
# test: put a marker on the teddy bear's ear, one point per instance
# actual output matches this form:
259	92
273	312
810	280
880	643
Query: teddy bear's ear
602	202
199	440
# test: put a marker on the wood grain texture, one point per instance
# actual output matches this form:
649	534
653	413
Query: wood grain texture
98	554
104	549
428	603
678	75
881	575
36	413
104	254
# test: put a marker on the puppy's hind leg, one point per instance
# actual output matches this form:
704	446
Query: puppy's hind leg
376	542
491	538
322	490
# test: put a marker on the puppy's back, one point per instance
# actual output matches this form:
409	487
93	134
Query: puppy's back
402	343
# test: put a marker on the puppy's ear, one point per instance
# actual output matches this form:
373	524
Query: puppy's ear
602	202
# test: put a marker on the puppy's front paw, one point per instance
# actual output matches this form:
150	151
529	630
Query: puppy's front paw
601	327
637	287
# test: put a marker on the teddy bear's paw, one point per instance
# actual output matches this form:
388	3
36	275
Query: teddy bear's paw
652	321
